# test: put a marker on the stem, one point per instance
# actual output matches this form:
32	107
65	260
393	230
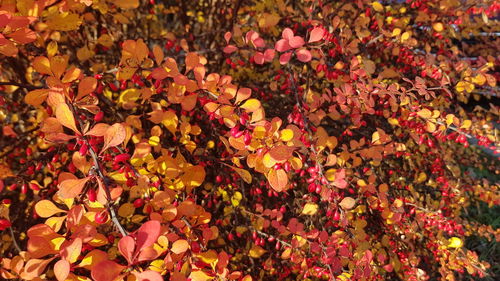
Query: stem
14	242
109	207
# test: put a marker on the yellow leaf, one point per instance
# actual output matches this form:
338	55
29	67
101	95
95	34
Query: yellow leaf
330	174
208	257
455	242
286	135
396	32
251	105
425	113
479	79
46	208
466	124
256	251
438	27
268	20
421	177
310	209
405	36
377	6
199	275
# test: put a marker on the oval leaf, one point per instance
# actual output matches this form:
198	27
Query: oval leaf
71	188
347	203
278	179
180	246
316	34
65	116
61	270
46	208
114	136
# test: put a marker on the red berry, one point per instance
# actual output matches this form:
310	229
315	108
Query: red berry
139	202
101	217
4	224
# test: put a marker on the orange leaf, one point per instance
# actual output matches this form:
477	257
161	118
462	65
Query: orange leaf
36	97
158	53
347	203
71	188
114	136
72	251
180	246
86	86
192	60
58	65
23	36
65	116
278	179
243	94
34	268
61	270
281	153
106	271
148	275
46	208
42	65
98	130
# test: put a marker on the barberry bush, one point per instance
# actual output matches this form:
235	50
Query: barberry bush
248	140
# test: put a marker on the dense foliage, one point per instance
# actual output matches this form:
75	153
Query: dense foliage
248	140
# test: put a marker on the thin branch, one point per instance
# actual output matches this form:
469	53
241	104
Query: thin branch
109	207
14	242
21	85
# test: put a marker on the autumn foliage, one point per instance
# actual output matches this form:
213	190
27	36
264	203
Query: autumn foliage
246	140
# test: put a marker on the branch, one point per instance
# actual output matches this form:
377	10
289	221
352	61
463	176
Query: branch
109	207
21	85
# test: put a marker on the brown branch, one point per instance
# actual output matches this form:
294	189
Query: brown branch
21	85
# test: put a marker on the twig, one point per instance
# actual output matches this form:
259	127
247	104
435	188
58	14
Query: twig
25	86
14	242
109	207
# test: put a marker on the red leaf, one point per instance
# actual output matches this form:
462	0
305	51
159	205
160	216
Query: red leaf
126	246
23	36
303	55
106	271
287	33
282	45
147	234
316	34
227	36
258	58
296	42
269	55
285	58
230	49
